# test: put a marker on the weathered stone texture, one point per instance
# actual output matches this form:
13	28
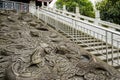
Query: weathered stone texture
30	50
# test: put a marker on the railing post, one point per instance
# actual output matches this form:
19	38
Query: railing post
112	49
73	23
77	12
37	11
42	4
54	6
106	34
97	17
64	9
47	4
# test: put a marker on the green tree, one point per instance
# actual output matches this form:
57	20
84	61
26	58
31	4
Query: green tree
110	10
86	7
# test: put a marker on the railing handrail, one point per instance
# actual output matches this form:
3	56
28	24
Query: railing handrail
73	14
97	26
112	25
101	22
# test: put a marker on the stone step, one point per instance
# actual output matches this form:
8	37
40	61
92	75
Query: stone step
115	56
103	51
74	35
115	63
92	44
80	38
78	35
75	32
97	47
86	41
70	37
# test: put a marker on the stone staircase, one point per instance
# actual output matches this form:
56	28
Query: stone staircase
72	30
100	49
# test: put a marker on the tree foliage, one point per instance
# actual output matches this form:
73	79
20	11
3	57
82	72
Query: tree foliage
86	7
110	10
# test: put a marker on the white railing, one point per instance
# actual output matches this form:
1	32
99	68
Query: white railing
11	5
74	25
88	19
